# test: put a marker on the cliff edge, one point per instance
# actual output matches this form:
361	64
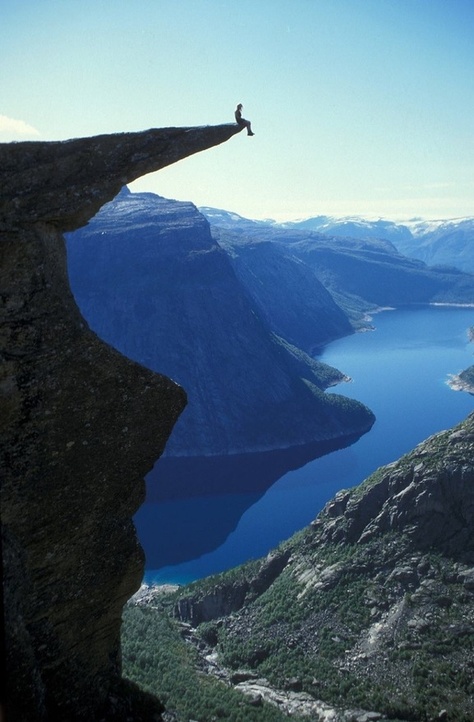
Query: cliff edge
81	425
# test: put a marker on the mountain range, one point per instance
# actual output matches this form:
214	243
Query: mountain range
242	306
151	281
436	242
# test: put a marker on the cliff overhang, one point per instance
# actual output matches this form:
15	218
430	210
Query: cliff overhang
66	182
81	426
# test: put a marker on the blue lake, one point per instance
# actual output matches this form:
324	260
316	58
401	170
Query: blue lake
190	527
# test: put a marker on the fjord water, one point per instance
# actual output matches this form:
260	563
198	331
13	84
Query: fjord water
400	371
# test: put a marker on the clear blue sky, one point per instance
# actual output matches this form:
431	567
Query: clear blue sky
359	106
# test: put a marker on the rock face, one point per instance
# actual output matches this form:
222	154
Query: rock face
80	427
147	269
65	183
228	598
428	497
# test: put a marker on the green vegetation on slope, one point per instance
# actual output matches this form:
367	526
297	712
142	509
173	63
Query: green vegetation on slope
156	657
348	624
316	622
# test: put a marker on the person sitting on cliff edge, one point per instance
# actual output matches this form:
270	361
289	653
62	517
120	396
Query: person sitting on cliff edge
241	121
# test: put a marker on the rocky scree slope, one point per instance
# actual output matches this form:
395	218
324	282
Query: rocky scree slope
150	280
81	425
372	606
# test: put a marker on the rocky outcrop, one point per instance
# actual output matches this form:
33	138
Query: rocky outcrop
64	183
464	381
229	597
80	427
428	496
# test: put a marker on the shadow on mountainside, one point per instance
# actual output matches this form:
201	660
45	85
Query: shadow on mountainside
208	497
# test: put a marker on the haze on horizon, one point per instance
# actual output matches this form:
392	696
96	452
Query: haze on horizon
359	108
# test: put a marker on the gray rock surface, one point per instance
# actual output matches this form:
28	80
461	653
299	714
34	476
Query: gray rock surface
428	495
65	183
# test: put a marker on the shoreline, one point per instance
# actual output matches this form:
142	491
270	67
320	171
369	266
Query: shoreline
456	383
446	304
452	305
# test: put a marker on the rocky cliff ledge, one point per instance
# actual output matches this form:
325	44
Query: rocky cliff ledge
80	427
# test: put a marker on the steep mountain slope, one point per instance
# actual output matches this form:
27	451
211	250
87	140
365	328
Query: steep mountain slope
354	270
371	606
287	291
151	281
